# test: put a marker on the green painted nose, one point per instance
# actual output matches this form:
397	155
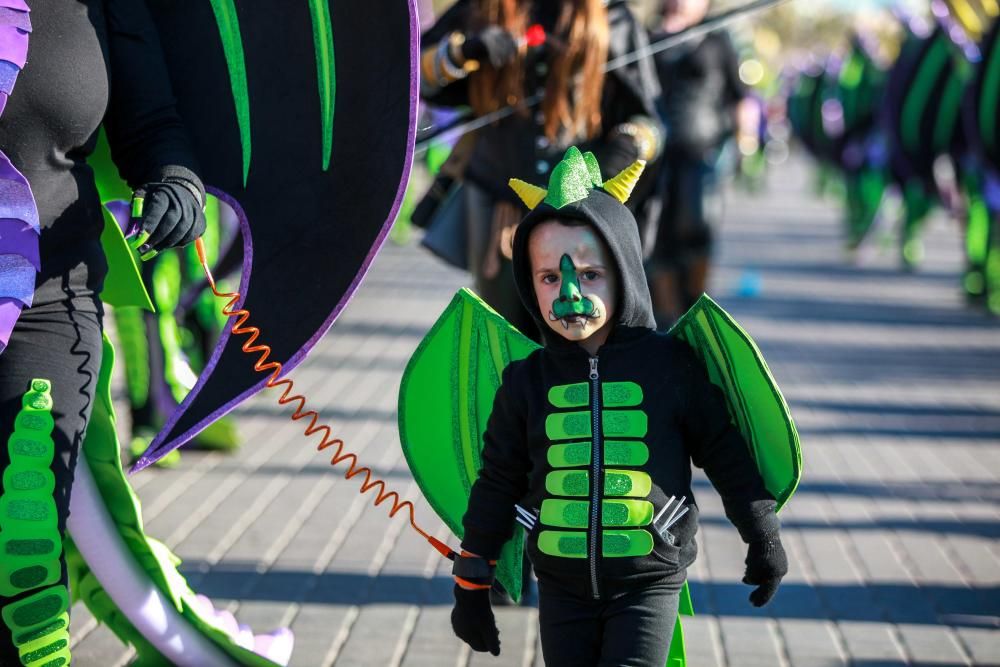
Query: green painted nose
570	301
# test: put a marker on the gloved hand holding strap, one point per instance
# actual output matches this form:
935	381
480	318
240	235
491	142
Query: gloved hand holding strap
472	572
472	617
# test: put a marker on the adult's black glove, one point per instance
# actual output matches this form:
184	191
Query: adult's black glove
619	151
492	45
473	622
766	565
172	211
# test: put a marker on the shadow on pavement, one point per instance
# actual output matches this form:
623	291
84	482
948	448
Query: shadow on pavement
931	605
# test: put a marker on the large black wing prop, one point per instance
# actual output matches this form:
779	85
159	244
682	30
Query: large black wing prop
302	115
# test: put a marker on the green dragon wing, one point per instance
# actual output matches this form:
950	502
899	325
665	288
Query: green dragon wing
735	364
444	401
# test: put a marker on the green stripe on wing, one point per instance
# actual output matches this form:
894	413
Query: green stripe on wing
232	48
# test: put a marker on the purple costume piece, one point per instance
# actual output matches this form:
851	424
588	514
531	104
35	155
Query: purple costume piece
19	228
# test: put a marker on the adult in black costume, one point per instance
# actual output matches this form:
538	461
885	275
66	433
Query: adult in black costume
89	61
701	89
615	117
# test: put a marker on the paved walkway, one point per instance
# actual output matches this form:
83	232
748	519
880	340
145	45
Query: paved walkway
892	536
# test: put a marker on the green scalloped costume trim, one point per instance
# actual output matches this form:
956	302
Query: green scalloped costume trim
39	626
102	451
30	543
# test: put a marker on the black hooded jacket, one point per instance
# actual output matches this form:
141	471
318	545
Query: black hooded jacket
657	413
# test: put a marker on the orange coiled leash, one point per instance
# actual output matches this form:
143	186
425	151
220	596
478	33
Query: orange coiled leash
265	365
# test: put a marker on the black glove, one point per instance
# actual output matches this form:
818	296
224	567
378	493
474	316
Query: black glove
172	212
492	45
766	565
473	622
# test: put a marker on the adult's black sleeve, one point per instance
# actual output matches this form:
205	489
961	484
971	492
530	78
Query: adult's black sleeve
736	90
716	446
503	479
147	137
633	89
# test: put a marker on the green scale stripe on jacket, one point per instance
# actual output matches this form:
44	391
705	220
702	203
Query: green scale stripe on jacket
616	453
577	424
562	510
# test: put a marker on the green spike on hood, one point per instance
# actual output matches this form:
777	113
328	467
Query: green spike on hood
573	178
593	168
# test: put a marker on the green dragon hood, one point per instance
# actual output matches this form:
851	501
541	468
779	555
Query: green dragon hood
577	194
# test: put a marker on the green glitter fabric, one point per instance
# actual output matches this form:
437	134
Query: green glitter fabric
573	178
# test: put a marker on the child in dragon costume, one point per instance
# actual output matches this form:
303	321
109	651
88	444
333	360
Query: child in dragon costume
609	415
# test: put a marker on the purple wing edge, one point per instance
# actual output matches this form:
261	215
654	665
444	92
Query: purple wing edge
160	447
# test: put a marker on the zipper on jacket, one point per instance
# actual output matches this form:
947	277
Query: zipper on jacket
597	479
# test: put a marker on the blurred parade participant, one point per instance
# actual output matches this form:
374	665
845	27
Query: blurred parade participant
853	108
920	129
982	279
701	93
930	154
491	54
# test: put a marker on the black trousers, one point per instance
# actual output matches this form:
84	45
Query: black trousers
629	628
60	342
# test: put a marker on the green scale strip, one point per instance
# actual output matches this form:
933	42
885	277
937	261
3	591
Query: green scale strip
617	483
614	543
631	453
30	543
576	424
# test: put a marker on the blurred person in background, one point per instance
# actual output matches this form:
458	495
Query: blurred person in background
492	54
701	94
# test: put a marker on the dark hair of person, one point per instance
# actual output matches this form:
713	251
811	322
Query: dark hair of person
578	52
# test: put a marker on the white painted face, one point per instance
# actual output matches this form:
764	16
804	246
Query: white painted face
575	281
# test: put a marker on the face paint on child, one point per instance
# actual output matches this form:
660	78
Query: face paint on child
574	280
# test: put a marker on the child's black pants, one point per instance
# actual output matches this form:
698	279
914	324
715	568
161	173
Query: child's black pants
629	628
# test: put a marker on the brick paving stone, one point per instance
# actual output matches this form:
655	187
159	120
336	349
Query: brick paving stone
892	537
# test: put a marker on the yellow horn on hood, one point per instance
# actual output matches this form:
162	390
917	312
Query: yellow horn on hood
531	195
620	187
